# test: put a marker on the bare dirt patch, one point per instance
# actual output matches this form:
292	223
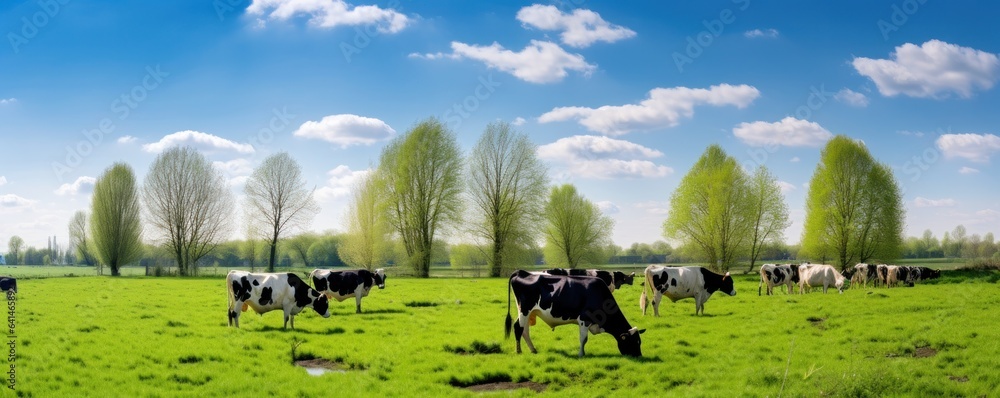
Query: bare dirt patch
507	385
924	352
960	379
819	323
319	366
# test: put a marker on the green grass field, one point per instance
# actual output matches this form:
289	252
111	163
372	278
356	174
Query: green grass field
103	336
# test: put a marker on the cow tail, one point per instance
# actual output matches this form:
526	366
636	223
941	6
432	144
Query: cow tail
231	298
508	323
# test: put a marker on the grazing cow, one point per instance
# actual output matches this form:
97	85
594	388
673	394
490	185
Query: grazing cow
267	292
8	284
923	273
684	282
863	273
774	275
892	275
820	275
614	280
562	300
882	277
342	285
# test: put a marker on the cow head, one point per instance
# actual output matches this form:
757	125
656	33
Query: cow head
727	285
320	303
379	276
629	342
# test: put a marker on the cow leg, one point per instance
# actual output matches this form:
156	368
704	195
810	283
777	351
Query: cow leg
357	300
657	298
584	333
518	330
285	326
527	336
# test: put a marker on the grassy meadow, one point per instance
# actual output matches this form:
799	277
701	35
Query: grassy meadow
137	336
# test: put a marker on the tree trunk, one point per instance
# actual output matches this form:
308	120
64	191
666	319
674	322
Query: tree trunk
425	266
114	270
496	268
274	250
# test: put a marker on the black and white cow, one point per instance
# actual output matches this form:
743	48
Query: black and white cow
820	275
563	300
266	292
863	273
924	273
614	279
342	285
882	275
8	284
684	282
773	275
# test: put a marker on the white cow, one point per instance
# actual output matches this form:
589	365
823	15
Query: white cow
266	292
684	282
820	275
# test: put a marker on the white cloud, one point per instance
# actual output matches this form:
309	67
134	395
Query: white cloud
8	101
237	171
924	202
608	207
988	213
851	97
974	147
13	201
340	183
604	158
788	132
757	33
910	133
934	69
518	121
126	139
3	181
655	207
665	107
330	14
203	141
540	62
784	186
795	159
346	130
579	29
82	185
963	170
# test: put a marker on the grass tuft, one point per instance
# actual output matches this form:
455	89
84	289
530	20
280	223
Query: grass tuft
477	347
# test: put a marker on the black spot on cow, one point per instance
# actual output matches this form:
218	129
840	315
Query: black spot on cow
715	282
241	289
770	277
779	275
301	289
320	283
265	296
256	282
673	282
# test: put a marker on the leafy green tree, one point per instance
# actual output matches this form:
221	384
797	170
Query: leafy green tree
768	213
466	256
79	239
712	210
115	224
506	185
188	205
577	231
14	247
277	201
325	252
298	247
422	172
854	209
367	244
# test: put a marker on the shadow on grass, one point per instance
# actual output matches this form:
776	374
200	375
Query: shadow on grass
573	355
268	328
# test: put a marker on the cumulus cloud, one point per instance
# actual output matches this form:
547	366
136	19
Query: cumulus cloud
603	158
126	139
3	181
963	170
934	69
757	33
654	207
13	201
237	171
974	147
330	14
8	101
82	185
518	121
988	213
346	130
788	132
608	207
851	97
924	202
197	139
540	62
341	180
784	186
665	107
581	28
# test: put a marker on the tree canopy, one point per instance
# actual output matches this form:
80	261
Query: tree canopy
115	224
577	233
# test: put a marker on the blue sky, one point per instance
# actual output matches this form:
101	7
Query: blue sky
620	100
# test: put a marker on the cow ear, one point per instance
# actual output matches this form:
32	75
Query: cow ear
726	275
641	331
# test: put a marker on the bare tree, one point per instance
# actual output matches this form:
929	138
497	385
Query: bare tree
188	204
768	212
277	200
115	223
367	243
251	247
507	185
79	239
